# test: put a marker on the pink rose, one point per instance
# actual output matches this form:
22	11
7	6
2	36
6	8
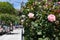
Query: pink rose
58	2
51	18
30	15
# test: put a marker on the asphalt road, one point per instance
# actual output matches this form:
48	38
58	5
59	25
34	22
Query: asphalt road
15	35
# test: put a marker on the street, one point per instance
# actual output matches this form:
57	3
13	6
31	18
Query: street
15	35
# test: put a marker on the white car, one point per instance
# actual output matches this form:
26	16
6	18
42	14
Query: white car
6	29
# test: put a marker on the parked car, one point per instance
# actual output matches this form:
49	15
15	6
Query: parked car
1	30
16	26
6	29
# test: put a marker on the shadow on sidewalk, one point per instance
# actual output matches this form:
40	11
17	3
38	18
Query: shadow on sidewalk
1	34
11	33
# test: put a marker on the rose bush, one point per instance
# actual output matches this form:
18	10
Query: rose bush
41	20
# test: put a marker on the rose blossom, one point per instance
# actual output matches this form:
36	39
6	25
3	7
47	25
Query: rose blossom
22	20
23	16
51	17
58	2
30	15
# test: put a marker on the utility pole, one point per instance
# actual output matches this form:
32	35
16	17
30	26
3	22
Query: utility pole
21	32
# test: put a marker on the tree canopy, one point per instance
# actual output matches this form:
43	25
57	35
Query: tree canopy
6	7
8	13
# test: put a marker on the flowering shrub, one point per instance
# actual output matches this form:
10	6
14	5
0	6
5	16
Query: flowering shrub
41	20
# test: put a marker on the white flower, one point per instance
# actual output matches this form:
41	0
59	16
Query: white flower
23	16
22	20
30	15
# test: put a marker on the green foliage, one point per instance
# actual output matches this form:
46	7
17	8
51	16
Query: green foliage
39	25
55	0
8	13
9	18
6	7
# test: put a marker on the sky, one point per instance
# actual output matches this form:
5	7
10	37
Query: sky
16	3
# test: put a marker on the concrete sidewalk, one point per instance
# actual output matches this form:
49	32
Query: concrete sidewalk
15	35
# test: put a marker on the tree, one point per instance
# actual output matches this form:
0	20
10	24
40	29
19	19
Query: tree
9	18
6	7
8	13
41	18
